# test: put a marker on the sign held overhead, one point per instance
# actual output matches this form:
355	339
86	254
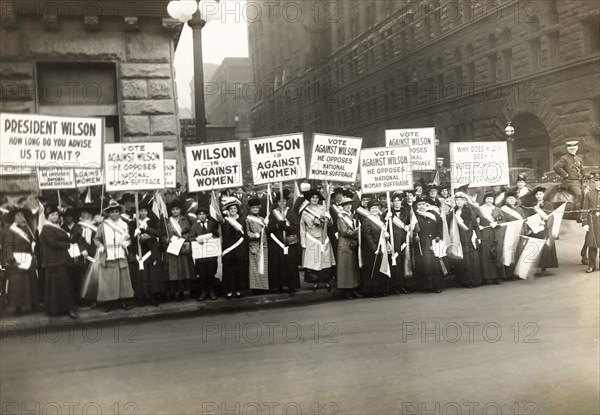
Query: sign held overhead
139	166
385	169
421	142
214	166
334	158
277	158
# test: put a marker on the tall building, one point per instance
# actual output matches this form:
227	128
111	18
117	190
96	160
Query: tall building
227	95
465	68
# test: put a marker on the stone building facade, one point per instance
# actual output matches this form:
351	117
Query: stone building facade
466	68
105	58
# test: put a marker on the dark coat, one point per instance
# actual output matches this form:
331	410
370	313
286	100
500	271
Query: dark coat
591	203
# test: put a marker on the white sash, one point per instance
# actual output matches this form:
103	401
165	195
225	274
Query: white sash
427	215
459	220
235	224
88	229
56	227
232	247
281	244
541	212
485	215
346	218
376	221
20	232
398	222
257	220
115	250
510	211
281	216
362	211
125	217
176	226
261	254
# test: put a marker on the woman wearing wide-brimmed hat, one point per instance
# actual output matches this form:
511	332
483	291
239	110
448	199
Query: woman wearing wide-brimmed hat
489	218
258	258
18	259
348	272
113	241
548	259
59	293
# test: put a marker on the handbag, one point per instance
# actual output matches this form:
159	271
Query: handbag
353	244
291	239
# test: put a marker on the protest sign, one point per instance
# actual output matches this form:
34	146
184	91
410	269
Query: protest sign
480	163
56	178
15	169
139	166
334	158
421	142
214	166
88	177
385	169
277	158
170	174
42	140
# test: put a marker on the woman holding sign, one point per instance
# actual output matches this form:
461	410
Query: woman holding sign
234	258
430	233
112	242
180	268
375	250
257	247
18	260
348	273
317	257
489	218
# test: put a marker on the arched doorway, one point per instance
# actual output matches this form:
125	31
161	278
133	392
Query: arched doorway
531	145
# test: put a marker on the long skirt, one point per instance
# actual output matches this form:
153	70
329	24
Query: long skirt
59	295
148	281
235	271
19	287
491	254
429	271
373	281
258	281
283	269
114	282
468	269
180	267
316	256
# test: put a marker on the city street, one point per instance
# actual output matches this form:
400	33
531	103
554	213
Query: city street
524	347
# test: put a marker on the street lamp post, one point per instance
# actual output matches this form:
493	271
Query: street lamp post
509	131
189	11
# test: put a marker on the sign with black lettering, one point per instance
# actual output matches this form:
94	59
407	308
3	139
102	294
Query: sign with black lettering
334	158
277	158
421	142
479	163
45	141
56	178
214	166
385	169
139	166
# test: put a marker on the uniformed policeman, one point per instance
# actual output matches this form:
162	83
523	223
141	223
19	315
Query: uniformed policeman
570	169
591	222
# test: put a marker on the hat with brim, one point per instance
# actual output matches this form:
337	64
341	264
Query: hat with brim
90	208
175	204
50	209
309	195
114	205
421	199
510	193
397	195
255	201
538	189
127	197
573	143
595	176
489	194
461	195
345	201
203	209
373	203
10	216
230	201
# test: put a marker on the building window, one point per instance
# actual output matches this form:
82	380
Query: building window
354	26
410	22
370	15
492	60
535	46
506	54
552	12
427	28
591	31
554	47
340	35
458	71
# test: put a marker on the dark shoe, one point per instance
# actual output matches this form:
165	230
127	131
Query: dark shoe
280	289
328	286
238	294
203	296
497	281
229	296
315	287
18	311
438	291
108	307
180	297
153	301
212	295
584	261
590	270
125	305
355	294
543	272
347	295
470	286
73	314
292	292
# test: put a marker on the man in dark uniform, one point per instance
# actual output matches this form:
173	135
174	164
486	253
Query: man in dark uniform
443	173
591	222
570	169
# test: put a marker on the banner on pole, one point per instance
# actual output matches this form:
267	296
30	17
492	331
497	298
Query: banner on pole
214	166
88	177
43	140
277	158
385	169
421	142
334	158
56	178
139	166
170	173
480	163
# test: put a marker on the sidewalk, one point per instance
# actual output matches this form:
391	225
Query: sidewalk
10	324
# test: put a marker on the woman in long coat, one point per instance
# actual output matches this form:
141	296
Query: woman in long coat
258	270
348	273
374	282
59	293
180	267
149	281
282	231
317	255
548	258
82	234
400	219
489	217
112	242
19	260
430	229
234	255
462	251
590	220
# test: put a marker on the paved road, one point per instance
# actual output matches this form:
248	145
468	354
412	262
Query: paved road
518	348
